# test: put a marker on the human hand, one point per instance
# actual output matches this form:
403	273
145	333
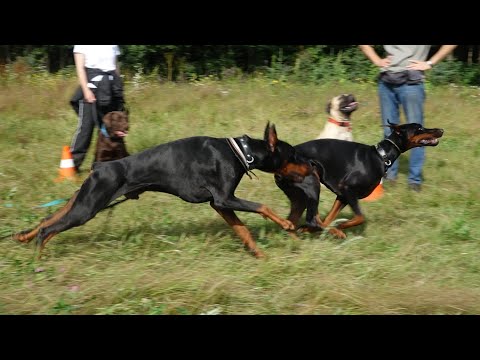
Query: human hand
384	62
89	96
419	65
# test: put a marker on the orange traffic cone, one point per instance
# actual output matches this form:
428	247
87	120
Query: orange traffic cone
67	167
376	194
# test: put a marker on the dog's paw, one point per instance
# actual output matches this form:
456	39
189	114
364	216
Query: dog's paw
293	235
287	225
338	233
259	254
303	229
308	229
24	236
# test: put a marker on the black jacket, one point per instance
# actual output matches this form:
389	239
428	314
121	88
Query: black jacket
108	91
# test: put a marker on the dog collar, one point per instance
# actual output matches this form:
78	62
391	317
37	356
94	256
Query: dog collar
103	130
346	124
400	151
381	151
384	156
242	153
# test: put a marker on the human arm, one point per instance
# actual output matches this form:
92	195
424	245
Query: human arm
371	54
117	53
442	52
79	59
117	66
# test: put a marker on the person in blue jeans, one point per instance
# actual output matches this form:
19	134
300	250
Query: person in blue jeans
401	83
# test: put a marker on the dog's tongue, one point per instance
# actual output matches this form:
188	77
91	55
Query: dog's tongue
120	133
352	106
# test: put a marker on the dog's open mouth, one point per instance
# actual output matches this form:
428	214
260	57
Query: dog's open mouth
429	142
350	107
431	139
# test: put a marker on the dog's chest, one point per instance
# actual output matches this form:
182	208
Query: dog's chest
333	131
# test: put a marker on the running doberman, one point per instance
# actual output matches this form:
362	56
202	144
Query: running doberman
349	169
196	169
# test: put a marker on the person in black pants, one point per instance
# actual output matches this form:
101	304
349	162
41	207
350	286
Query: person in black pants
100	91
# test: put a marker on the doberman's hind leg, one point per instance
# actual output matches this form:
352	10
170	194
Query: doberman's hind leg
41	242
240	229
79	214
98	190
28	235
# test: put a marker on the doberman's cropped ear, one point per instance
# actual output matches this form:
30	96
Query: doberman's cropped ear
270	136
394	127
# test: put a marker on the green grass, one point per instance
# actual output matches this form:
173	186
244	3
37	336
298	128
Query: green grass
417	253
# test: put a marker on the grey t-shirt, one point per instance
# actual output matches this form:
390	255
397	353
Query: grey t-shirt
402	53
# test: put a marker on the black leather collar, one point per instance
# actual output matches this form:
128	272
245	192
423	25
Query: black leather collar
242	151
383	154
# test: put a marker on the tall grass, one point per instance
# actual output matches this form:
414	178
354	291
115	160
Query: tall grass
417	254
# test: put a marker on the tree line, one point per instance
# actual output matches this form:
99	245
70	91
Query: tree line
187	62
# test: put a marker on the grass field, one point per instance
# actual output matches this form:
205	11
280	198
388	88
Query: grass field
417	253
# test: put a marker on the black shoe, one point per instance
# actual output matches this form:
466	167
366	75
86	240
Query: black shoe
415	187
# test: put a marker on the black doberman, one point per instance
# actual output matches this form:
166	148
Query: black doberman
349	169
196	169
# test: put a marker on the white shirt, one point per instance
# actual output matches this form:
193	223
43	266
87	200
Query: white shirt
101	57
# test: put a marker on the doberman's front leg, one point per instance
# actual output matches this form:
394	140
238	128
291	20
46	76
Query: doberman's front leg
236	204
266	212
338	205
240	229
358	218
311	187
297	197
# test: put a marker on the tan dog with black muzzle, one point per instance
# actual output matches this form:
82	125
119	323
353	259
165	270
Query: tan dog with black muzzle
339	124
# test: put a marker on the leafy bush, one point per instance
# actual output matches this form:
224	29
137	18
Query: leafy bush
446	72
316	65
